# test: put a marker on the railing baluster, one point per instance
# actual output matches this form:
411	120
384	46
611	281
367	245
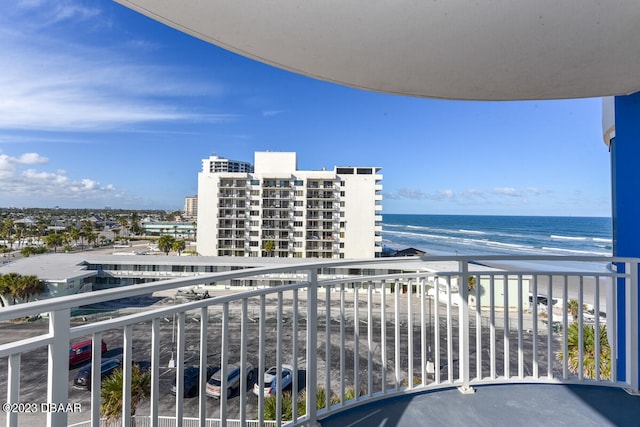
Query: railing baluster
13	387
261	361
383	335
596	328
244	362
155	372
464	358
423	332
224	350
180	367
96	377
436	331
633	359
126	375
492	327
409	333
294	344
565	328
397	333
369	341
356	341
450	378
342	339
505	329
312	345
478	295
279	360
520	329
58	372
327	349
550	328
534	299
581	330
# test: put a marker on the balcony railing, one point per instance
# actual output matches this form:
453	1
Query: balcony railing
458	323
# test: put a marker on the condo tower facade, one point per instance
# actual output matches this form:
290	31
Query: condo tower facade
275	210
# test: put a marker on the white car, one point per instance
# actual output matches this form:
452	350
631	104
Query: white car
270	380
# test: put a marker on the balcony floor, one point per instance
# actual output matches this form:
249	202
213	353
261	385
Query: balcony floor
500	405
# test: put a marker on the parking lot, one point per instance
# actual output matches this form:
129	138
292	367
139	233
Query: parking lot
34	364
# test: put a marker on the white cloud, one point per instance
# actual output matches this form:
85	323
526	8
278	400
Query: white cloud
18	182
507	191
51	81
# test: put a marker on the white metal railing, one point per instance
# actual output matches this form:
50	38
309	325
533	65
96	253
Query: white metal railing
360	338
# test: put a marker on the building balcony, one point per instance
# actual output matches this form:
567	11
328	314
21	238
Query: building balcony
450	342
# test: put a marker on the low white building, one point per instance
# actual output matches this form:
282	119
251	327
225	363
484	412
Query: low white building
278	210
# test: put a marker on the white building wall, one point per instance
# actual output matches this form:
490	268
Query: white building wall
269	162
322	218
207	212
360	214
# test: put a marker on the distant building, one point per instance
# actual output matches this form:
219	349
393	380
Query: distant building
216	164
179	230
410	252
191	206
278	210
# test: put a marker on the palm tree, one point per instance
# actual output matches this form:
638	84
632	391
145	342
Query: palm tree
269	247
588	351
7	231
111	392
11	284
573	308
123	223
5	291
165	244
32	286
75	234
179	246
53	241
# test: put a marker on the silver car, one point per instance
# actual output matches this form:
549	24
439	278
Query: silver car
233	380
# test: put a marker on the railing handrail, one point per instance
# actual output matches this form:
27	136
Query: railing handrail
309	284
94	297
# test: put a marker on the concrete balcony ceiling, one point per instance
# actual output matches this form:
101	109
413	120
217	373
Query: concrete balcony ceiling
453	49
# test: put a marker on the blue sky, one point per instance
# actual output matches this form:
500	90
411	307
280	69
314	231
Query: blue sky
101	106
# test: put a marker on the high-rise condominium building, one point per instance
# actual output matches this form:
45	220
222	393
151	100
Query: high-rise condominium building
191	206
277	210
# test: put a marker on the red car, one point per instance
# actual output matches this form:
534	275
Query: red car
81	352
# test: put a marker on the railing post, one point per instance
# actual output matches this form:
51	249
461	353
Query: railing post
312	345
58	374
633	370
463	328
13	388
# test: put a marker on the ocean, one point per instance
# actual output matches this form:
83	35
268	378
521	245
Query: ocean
498	235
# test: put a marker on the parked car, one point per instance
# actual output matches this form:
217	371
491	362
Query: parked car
82	379
270	380
192	379
233	380
81	352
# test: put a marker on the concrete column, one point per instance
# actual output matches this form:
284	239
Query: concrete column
625	190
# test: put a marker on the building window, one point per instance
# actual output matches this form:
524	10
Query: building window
298	183
365	171
297	223
255	182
